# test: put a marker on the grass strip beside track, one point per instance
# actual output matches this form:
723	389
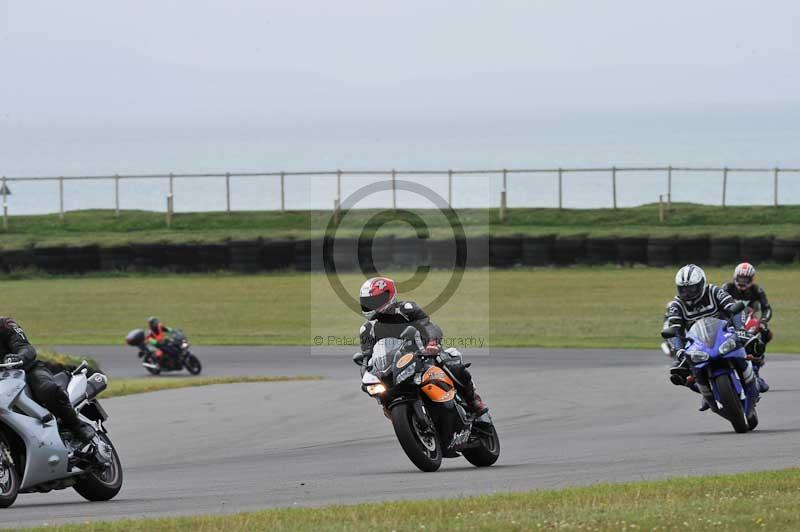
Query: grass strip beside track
600	307
47	355
748	501
120	387
105	228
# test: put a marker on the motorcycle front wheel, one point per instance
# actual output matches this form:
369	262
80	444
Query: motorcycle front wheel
419	442
731	404
9	478
192	364
104	483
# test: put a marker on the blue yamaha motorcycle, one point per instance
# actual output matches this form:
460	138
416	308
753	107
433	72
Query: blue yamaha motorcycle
713	349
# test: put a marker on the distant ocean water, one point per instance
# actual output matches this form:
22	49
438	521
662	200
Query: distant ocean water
761	136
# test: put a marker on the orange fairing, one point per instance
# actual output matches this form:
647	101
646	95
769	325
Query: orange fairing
437	385
404	360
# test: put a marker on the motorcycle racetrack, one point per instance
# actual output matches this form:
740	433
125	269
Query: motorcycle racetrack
565	417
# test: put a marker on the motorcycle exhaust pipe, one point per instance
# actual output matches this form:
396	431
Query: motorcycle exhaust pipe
149	365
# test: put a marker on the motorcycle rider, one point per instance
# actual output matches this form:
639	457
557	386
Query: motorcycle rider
387	318
697	299
743	288
158	335
15	347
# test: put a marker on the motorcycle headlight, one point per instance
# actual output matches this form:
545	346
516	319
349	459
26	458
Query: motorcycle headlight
406	373
728	346
376	389
698	356
184	345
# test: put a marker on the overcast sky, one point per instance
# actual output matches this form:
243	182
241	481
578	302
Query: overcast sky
98	62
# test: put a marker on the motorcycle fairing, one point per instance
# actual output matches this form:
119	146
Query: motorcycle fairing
46	456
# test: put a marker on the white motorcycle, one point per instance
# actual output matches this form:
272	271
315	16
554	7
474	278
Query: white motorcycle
37	456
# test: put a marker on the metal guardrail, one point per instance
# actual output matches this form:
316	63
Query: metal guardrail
613	171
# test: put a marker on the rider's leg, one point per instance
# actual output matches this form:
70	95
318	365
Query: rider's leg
50	395
750	383
701	383
451	360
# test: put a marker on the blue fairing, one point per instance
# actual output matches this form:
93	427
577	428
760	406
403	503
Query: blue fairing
703	339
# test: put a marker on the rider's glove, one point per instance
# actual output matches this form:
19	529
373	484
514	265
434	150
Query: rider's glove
359	358
12	358
433	348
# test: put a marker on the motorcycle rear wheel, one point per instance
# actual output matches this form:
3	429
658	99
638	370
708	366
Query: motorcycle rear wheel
420	444
9	478
731	404
192	364
102	486
489	450
150	360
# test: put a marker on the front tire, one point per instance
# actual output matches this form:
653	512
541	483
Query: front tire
731	405
192	364
489	450
419	442
752	420
9	477
102	485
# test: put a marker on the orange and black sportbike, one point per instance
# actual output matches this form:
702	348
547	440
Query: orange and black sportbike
429	417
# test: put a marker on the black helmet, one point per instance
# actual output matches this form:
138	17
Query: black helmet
153	322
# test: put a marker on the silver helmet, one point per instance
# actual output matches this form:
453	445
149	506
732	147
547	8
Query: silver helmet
691	284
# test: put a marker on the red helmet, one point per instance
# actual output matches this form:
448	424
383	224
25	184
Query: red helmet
377	294
744	275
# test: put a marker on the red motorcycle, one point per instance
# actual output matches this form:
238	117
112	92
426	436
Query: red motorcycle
752	336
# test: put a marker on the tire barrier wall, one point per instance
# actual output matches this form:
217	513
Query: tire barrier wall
350	255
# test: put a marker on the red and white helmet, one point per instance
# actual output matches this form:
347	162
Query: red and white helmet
377	294
744	275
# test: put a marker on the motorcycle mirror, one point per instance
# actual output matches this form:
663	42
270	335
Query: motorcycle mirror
409	333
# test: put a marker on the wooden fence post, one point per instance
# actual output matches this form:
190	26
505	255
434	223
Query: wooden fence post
116	195
61	198
283	194
724	184
560	189
450	188
227	192
614	185
775	186
669	187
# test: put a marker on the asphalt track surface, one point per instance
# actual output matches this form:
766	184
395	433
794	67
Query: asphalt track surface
565	417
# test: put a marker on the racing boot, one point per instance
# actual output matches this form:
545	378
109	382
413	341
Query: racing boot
763	387
703	405
476	405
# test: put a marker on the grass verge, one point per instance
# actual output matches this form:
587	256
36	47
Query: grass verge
611	307
105	228
62	359
120	387
750	501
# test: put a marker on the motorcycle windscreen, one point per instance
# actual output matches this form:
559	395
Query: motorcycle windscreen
705	331
384	353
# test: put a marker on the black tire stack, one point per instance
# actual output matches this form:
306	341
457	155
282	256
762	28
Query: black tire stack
538	250
724	250
245	255
786	250
662	251
632	250
505	251
569	250
601	251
